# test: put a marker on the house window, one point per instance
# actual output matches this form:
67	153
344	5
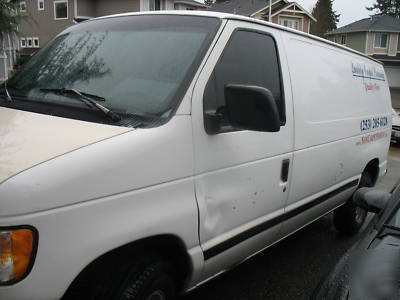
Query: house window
36	42
61	10
29	42
40	4
155	5
23	42
343	40
22	6
381	40
291	23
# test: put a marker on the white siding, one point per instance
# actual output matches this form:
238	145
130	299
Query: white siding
393	75
394	37
169	5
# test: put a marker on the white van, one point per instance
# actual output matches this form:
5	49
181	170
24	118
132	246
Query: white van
143	154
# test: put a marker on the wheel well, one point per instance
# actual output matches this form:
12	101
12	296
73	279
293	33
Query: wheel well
165	247
372	169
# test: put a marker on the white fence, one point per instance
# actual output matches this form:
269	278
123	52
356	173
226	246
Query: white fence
8	55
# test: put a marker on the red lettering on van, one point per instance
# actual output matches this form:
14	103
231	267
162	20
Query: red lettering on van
371	87
371	138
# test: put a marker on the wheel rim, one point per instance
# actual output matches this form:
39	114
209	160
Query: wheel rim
360	215
157	295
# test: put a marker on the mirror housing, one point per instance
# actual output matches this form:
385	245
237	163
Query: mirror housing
371	199
251	108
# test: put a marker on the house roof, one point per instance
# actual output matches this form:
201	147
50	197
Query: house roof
375	23
279	8
283	7
250	7
241	7
191	2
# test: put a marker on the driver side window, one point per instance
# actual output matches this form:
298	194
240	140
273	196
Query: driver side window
250	58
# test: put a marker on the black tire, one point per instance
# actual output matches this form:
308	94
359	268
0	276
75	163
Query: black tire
118	279
348	218
153	281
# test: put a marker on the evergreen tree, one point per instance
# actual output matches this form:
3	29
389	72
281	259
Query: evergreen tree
386	7
327	19
9	17
208	2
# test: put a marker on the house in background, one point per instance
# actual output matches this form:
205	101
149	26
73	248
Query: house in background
189	5
379	37
47	18
8	55
286	13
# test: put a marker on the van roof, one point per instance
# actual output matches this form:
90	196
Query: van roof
240	18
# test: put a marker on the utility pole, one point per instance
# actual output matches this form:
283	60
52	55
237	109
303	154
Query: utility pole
270	11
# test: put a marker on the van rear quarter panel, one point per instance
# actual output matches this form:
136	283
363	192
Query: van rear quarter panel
330	102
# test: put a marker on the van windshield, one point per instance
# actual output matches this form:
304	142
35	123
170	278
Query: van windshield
140	65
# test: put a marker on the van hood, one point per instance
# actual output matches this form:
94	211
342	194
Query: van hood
28	139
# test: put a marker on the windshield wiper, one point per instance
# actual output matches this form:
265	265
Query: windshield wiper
86	98
64	90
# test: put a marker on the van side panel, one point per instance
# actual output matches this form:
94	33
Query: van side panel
330	100
342	121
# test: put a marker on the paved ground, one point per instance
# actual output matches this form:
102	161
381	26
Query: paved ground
393	174
292	268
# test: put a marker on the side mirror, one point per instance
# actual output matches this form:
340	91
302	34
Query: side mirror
251	108
371	199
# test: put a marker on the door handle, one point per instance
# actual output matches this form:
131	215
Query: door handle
285	170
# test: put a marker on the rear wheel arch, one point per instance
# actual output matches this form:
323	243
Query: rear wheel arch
372	169
348	218
165	247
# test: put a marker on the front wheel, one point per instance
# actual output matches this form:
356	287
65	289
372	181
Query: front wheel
121	278
349	218
152	281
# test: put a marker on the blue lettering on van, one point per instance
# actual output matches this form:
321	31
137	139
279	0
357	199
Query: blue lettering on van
368	72
373	123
